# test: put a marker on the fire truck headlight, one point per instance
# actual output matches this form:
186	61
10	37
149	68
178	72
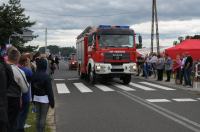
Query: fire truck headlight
98	67
133	67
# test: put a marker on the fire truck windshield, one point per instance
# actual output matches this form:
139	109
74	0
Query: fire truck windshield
117	41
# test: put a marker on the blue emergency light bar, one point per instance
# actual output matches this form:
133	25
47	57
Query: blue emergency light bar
109	27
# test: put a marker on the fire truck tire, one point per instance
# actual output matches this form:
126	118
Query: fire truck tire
92	77
82	76
127	79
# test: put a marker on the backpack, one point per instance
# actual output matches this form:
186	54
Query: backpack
13	88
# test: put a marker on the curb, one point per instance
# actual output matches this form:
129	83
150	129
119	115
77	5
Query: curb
51	120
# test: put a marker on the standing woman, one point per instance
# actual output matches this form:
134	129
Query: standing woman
42	93
24	65
168	67
177	69
160	67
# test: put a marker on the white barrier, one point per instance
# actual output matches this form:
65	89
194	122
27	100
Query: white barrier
197	70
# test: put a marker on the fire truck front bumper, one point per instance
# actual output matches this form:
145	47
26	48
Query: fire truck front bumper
106	68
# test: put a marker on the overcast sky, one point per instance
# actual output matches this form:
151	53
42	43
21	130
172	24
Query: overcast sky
66	19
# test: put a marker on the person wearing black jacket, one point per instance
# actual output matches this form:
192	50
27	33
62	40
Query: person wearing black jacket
3	96
187	70
42	93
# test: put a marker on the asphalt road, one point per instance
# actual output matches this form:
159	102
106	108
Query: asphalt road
114	107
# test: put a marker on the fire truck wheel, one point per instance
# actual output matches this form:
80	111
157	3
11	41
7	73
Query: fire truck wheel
127	79
81	75
92	77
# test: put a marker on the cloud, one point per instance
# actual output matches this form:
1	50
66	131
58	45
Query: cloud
169	30
177	17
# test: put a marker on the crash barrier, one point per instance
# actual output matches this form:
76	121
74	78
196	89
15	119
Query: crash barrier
197	70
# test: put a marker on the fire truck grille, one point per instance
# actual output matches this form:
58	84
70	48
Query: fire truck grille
117	56
117	70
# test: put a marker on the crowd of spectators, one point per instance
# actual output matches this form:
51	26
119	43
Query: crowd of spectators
155	65
25	80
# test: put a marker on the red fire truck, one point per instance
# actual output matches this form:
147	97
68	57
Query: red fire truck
106	52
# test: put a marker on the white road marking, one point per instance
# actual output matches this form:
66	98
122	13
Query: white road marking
192	125
62	88
83	88
103	88
157	86
158	100
184	100
141	87
59	79
72	79
123	87
198	98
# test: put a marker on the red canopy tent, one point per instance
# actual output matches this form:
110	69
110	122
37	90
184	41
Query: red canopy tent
190	46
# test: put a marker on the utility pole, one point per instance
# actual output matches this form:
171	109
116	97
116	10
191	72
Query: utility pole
154	21
45	40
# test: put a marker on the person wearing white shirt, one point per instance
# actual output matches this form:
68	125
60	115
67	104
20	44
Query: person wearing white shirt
184	57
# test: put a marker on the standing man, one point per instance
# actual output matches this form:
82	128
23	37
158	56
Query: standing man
168	67
17	86
187	70
3	91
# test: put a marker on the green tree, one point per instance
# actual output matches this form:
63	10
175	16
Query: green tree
53	49
138	46
196	37
13	20
65	51
29	48
175	42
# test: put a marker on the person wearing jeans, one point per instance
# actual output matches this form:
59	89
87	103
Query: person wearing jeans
168	67
187	77
41	115
187	70
24	63
42	94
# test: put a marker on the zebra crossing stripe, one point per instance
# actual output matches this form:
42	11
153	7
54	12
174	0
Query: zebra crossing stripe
73	79
157	86
184	100
158	100
62	88
59	79
141	87
103	88
82	88
123	87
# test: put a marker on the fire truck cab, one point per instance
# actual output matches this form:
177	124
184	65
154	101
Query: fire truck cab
106	52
